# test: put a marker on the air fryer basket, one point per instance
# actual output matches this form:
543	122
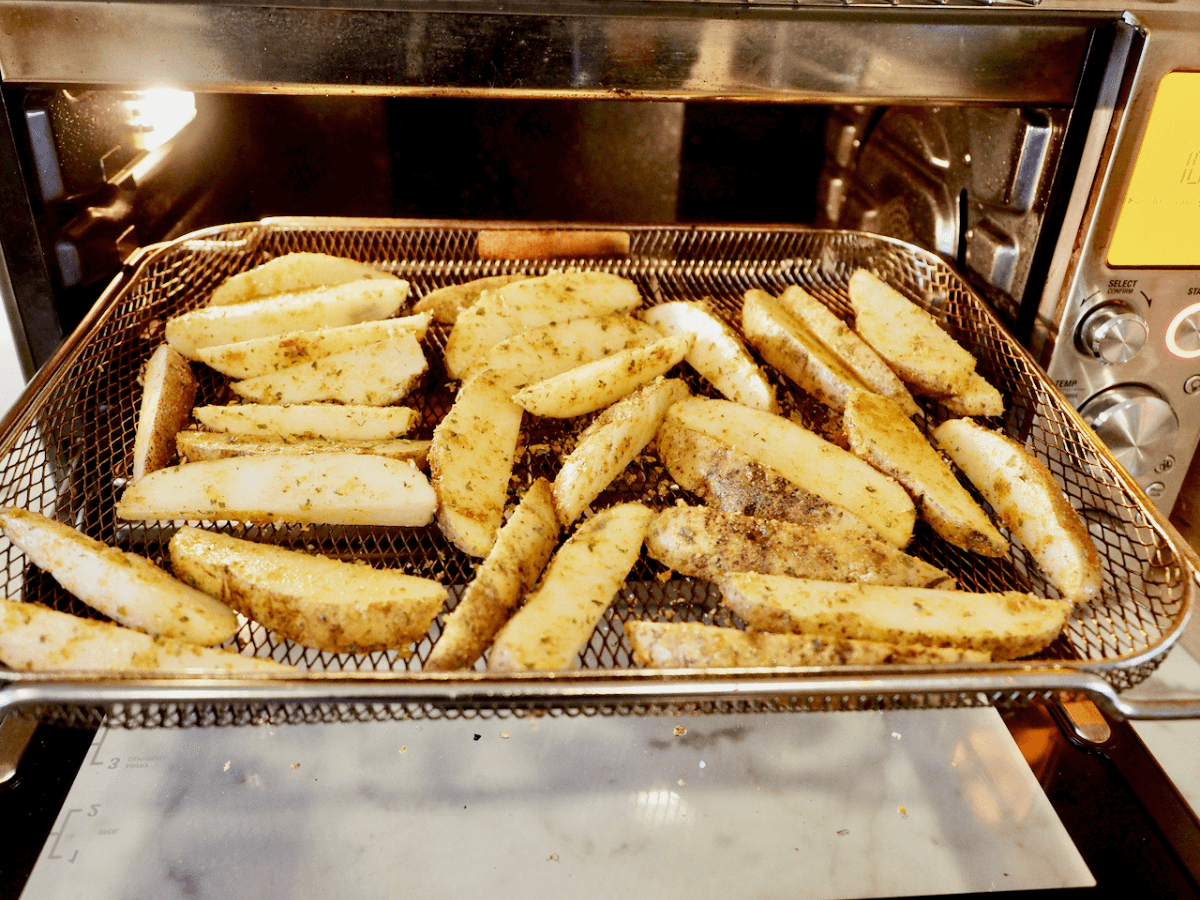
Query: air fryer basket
67	447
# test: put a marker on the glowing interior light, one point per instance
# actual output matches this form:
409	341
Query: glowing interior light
160	114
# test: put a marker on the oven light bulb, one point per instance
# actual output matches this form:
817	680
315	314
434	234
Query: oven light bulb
158	115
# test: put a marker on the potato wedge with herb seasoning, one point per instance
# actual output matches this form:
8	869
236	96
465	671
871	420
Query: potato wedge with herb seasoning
317	488
125	587
1008	624
693	645
260	356
38	639
318	602
290	273
324	421
978	398
168	390
376	374
445	303
1029	503
557	620
196	446
332	307
501	582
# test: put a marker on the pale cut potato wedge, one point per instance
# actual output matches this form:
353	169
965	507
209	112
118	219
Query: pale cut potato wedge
1029	503
196	446
1008	624
610	443
851	349
509	572
326	421
550	350
127	588
805	459
318	602
37	639
316	488
470	463
707	543
729	480
908	338
555	624
790	346
445	303
602	383
693	645
884	436
531	303
979	398
718	354
168	391
259	356
292	272
377	374
332	307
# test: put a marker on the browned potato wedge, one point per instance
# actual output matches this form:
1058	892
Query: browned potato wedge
884	436
125	587
447	302
1008	625
692	645
332	307
168	391
909	338
292	272
510	571
707	543
36	639
552	628
471	460
979	398
297	421
327	604
1029	503
610	443
196	446
259	356
317	488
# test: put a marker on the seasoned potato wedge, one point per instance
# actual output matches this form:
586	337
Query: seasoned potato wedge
884	436
851	349
1029	503
598	384
707	543
1008	625
326	421
445	303
195	446
978	398
555	624
327	604
470	462
127	588
377	374
292	272
717	354
909	338
332	307
692	645
806	460
259	356
510	571
317	488
531	303
37	639
610	443
168	390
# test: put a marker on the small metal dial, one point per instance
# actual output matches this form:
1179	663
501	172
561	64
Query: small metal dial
1112	333
1136	423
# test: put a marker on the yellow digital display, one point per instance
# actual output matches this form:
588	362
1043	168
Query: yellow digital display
1159	220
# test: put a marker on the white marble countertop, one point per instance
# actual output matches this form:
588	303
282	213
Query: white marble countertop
806	805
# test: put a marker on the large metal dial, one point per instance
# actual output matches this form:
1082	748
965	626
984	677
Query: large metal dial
1112	333
1136	423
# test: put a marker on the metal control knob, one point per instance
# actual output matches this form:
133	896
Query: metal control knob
1112	333
1137	424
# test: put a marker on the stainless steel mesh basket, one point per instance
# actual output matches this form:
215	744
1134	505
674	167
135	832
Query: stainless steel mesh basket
66	452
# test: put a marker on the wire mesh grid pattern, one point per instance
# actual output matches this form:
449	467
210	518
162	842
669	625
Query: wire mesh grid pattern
69	457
